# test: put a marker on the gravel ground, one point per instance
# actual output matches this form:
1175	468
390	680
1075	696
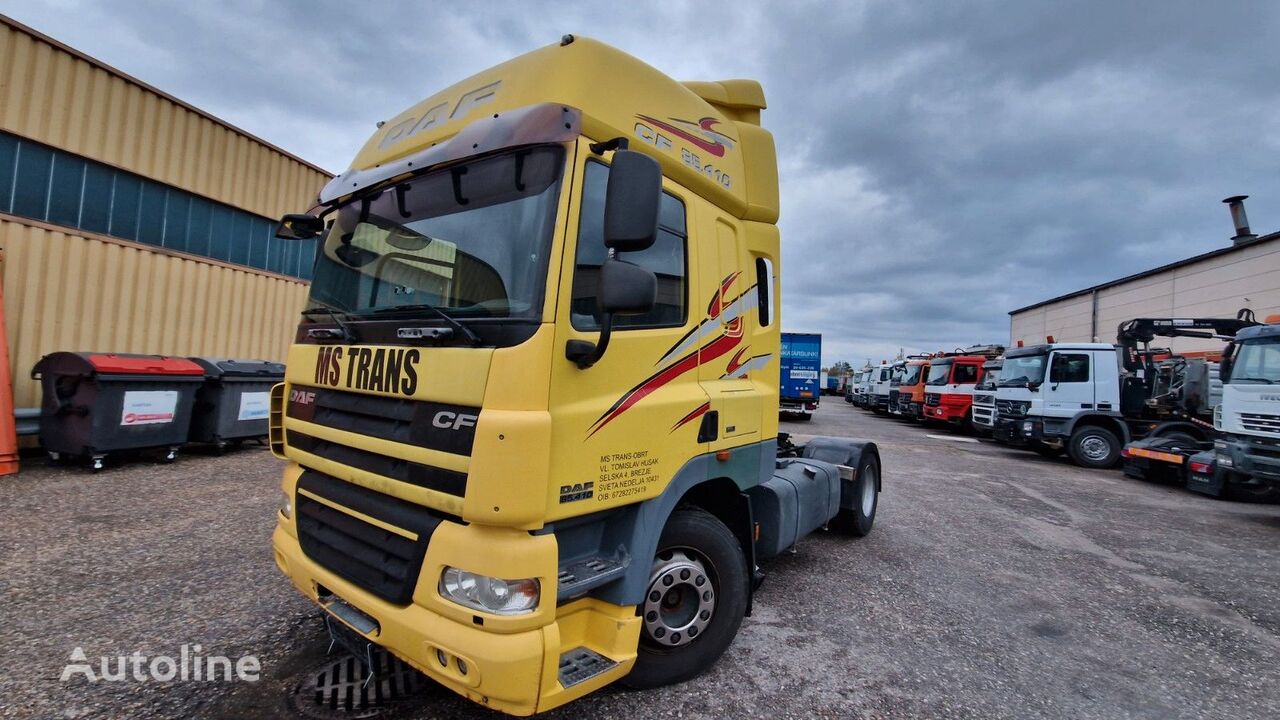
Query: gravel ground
995	584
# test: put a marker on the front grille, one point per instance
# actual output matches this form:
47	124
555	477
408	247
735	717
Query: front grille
984	399
932	399
1260	423
382	562
432	425
1012	408
893	398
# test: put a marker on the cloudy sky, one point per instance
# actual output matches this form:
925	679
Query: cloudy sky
942	162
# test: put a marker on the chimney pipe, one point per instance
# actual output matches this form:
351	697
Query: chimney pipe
1235	204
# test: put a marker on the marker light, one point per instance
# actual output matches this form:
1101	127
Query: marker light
286	505
489	594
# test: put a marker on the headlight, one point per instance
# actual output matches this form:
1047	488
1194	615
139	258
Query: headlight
1217	417
1028	426
489	594
286	505
1224	460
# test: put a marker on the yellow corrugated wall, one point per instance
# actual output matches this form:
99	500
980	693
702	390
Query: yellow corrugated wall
64	291
53	96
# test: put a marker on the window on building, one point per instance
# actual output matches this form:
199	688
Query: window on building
666	258
1069	368
43	183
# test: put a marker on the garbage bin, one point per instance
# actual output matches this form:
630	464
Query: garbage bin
234	401
98	403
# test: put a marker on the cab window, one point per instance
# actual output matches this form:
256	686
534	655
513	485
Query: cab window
965	374
667	258
1069	368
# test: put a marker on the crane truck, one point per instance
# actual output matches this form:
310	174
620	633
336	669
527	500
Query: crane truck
1098	397
529	420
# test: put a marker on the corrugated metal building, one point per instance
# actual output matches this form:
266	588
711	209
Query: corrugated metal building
133	222
1214	284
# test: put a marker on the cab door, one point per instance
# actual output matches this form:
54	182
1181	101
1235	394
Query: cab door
1069	386
628	423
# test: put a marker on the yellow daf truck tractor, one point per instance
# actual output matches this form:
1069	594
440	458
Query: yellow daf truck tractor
530	414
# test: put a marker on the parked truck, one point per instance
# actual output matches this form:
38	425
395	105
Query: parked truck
1091	399
800	384
983	413
877	398
910	400
530	412
1247	448
949	388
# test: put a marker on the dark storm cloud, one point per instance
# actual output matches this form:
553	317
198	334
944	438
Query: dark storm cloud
942	163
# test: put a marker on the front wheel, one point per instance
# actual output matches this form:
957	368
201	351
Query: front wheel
696	599
1092	446
858	519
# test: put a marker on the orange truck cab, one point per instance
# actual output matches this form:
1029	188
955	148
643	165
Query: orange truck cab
911	389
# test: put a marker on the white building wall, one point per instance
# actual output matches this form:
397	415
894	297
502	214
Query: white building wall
1214	287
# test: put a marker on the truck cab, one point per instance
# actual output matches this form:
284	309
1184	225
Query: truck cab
529	419
1248	450
984	397
1052	395
853	387
910	402
878	395
948	393
896	372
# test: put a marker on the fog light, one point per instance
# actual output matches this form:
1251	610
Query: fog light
286	506
1224	460
489	594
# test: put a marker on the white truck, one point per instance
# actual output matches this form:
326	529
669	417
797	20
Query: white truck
1091	399
1247	453
984	397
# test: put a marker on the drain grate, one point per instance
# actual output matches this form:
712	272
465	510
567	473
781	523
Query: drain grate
338	689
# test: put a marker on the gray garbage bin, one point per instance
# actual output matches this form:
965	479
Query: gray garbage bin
97	403
233	403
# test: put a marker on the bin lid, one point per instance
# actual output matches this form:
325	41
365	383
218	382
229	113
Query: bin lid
218	367
91	363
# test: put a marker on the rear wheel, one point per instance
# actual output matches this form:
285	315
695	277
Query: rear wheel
859	519
695	602
1092	446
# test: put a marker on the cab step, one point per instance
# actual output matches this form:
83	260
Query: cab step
581	664
580	576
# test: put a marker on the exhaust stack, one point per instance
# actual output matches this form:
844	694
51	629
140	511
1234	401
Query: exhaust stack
1235	204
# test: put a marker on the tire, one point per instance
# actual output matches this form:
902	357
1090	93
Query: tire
693	544
1093	446
859	519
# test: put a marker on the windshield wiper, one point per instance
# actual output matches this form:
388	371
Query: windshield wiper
1012	382
347	335
1253	379
461	329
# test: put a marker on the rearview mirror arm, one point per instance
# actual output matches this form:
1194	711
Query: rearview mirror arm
585	353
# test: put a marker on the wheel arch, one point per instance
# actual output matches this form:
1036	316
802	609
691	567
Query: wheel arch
1108	422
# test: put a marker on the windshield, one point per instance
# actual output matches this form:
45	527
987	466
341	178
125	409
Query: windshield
913	375
1257	362
989	374
471	240
938	373
1021	371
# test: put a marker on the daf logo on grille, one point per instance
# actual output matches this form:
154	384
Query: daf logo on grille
302	397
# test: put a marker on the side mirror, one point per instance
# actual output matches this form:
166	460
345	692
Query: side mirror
299	226
625	289
631	202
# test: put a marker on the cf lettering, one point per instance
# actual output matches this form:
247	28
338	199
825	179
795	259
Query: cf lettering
448	420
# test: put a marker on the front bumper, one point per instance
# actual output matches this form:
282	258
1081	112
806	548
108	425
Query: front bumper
946	413
984	416
1011	431
509	663
1258	460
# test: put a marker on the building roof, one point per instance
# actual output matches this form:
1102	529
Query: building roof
6	20
1154	271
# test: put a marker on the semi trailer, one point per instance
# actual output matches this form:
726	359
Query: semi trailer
1091	399
529	419
800	385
